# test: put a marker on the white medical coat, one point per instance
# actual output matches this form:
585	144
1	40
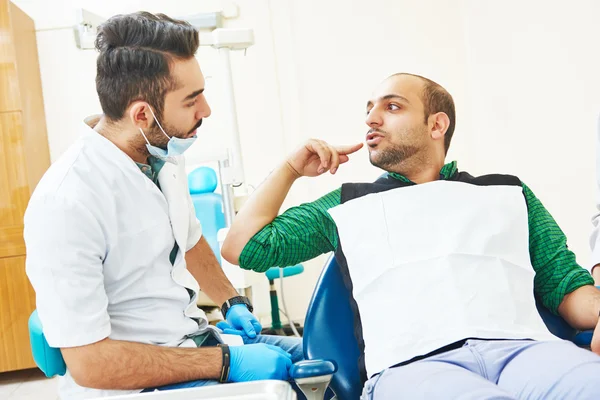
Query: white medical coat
98	234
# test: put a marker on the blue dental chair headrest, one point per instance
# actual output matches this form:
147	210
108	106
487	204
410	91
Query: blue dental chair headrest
202	180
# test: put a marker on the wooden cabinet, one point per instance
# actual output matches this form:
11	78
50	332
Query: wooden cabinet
24	157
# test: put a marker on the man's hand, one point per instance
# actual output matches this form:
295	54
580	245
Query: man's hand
316	157
260	361
240	321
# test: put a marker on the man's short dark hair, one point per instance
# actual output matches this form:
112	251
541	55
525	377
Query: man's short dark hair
437	99
136	52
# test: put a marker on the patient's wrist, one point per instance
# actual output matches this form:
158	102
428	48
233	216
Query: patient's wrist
291	171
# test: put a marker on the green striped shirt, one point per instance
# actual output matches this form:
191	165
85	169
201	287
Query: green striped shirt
307	231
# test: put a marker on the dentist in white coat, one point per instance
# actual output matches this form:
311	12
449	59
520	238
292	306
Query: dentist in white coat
114	250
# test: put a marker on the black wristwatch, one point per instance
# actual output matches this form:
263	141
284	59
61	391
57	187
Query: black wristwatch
236	300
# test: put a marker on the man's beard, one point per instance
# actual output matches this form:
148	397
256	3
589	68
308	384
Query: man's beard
392	156
157	138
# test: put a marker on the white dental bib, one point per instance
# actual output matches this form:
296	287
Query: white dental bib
436	263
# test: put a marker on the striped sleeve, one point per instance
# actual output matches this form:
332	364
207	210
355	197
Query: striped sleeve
299	234
556	270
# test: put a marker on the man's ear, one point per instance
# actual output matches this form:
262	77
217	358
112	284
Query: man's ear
439	123
140	115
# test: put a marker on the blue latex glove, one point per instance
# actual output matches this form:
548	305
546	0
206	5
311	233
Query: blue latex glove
259	361
226	328
239	320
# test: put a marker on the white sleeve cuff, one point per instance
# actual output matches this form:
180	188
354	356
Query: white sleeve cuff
65	340
193	237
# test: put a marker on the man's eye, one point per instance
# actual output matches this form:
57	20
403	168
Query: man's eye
394	107
192	104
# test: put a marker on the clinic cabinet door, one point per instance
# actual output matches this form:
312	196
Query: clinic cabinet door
24	157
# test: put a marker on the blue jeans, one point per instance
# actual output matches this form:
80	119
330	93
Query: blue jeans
292	345
494	369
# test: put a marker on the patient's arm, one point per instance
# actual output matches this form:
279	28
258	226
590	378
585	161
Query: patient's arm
301	233
113	364
581	307
556	270
313	159
262	208
581	310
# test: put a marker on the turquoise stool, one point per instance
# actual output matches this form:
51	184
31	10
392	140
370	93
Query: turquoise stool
272	274
48	359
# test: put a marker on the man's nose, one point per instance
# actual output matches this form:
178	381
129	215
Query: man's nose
203	110
374	119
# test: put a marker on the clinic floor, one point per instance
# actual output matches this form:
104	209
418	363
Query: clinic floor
30	384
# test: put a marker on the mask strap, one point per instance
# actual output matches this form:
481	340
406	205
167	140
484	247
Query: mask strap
158	123
145	138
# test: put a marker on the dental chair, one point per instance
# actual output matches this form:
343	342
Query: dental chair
329	331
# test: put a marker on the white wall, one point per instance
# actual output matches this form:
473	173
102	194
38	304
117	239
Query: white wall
523	75
534	80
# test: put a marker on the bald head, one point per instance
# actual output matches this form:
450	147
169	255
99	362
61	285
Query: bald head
433	97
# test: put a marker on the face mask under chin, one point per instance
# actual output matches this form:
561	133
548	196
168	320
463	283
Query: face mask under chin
175	146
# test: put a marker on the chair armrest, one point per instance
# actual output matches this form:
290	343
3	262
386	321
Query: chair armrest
312	368
313	377
583	339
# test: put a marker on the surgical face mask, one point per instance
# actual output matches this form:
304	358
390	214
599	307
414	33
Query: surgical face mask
175	147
